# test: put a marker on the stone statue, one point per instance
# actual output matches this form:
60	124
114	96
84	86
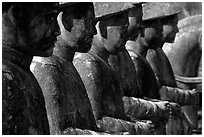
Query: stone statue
162	67
100	80
28	29
150	39
139	83
67	103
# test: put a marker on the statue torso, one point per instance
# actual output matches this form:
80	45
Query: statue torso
144	73
111	96
124	67
161	66
66	99
23	105
145	76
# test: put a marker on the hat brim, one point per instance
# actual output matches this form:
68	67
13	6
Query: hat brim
138	3
65	5
161	17
103	17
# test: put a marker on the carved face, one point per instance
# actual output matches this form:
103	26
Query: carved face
77	25
114	32
135	21
153	33
41	29
169	28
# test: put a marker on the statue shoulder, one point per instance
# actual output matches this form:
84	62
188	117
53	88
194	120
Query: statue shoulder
85	62
130	45
10	72
133	55
7	76
11	78
53	66
52	60
84	57
6	68
190	21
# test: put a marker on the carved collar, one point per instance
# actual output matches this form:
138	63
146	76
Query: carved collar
16	57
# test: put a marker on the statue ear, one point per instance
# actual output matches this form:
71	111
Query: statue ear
15	15
67	21
103	29
64	22
11	15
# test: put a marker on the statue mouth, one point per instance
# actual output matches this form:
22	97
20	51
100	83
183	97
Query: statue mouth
50	43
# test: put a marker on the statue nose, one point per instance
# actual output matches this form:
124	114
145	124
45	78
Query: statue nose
176	30
57	29
94	30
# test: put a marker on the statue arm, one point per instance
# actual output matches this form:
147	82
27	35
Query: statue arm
135	61
180	96
93	83
51	81
16	100
90	74
9	103
118	126
146	78
146	109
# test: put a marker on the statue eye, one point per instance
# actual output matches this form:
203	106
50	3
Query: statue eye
51	15
51	19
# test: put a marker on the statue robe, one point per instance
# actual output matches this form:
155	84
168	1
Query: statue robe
66	100
23	105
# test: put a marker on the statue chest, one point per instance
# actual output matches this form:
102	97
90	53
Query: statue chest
112	103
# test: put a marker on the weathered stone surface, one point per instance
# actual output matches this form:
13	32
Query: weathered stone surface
190	21
185	56
108	8
180	96
143	109
115	126
150	9
185	53
23	105
161	67
66	99
77	131
106	96
124	68
101	85
188	8
145	75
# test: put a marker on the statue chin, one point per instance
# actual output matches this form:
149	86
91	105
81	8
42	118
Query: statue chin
84	49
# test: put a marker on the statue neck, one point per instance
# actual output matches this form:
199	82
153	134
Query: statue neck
16	57
162	44
141	47
98	50
10	36
64	52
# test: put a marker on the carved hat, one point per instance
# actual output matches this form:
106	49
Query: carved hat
155	10
6	5
137	3
107	9
63	5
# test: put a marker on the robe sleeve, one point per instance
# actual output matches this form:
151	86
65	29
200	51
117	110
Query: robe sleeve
180	96
92	81
114	126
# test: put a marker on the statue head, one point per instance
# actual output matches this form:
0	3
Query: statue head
113	24
167	11
30	27
170	21
152	32
77	25
135	21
